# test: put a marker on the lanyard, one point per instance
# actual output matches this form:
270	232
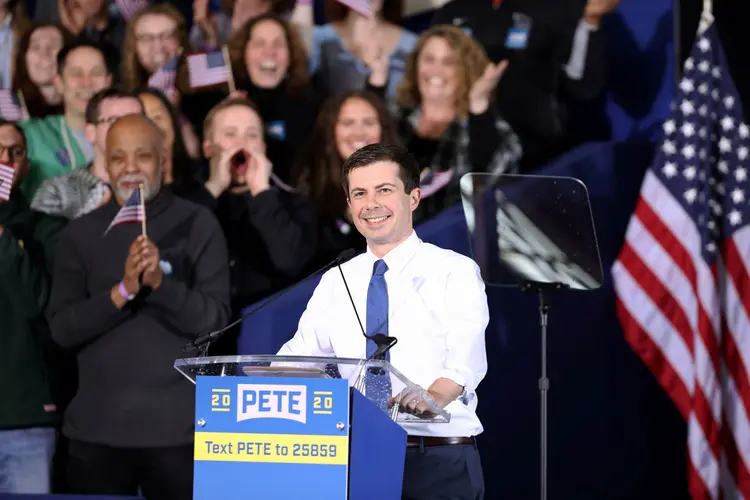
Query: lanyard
66	140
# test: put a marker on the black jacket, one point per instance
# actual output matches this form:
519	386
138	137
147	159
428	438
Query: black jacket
26	373
129	394
271	238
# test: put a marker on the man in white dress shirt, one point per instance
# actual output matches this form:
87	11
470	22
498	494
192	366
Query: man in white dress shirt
432	300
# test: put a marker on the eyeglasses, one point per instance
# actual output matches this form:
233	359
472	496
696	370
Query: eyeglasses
15	152
148	38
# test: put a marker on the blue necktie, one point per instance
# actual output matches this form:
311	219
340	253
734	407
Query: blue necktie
377	387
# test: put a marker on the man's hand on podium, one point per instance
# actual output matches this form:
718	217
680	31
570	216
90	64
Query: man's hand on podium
442	391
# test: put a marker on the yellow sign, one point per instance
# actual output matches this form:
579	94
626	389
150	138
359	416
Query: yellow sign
271	448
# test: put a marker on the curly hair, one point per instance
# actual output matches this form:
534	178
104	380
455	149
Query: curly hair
134	75
297	78
470	57
318	173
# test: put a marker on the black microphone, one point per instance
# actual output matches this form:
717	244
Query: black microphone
212	336
383	342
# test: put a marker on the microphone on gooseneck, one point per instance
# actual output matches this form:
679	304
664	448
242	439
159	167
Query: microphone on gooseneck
212	336
383	342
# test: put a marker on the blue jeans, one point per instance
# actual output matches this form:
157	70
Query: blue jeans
26	460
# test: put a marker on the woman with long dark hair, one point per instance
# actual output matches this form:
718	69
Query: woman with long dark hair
180	170
347	122
35	66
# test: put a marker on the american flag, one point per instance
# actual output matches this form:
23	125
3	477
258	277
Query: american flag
164	79
129	8
682	277
130	212
207	68
6	181
431	182
10	106
361	6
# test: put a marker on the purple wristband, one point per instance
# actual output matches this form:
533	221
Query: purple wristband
124	292
304	2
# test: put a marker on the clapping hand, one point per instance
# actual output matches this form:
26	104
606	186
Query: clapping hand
479	95
152	273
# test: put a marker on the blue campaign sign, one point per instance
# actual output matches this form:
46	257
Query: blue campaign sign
271	437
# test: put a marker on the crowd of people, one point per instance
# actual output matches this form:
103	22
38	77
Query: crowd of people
85	84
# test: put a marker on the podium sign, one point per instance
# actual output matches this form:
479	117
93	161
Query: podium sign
271	437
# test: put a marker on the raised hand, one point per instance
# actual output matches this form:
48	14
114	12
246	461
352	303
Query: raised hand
481	91
220	172
258	174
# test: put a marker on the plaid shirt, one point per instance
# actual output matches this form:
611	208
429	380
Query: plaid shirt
453	150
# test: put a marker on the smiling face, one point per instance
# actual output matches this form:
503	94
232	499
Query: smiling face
437	70
41	57
380	206
267	54
134	157
157	40
83	75
358	125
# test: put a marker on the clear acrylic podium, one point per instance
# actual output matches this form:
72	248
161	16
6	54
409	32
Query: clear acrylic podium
290	427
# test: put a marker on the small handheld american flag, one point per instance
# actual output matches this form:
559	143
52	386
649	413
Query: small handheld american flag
164	79
132	211
207	68
6	181
11	107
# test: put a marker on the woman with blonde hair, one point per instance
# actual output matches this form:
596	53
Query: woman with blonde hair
446	116
155	36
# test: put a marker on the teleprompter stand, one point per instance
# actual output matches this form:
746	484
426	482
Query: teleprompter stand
536	234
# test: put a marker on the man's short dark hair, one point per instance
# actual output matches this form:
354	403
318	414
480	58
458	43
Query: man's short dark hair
408	168
19	129
93	108
78	43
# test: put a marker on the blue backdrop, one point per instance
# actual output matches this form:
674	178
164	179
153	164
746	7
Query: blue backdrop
613	432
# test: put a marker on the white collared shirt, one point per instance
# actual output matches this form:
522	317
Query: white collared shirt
437	309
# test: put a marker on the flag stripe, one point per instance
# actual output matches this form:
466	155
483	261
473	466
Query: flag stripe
130	212
681	278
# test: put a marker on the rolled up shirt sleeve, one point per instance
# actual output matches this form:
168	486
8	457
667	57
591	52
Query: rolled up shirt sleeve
467	316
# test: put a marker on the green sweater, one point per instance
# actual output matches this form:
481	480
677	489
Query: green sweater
50	143
26	245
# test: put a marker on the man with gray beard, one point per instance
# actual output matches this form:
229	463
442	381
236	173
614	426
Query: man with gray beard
128	303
